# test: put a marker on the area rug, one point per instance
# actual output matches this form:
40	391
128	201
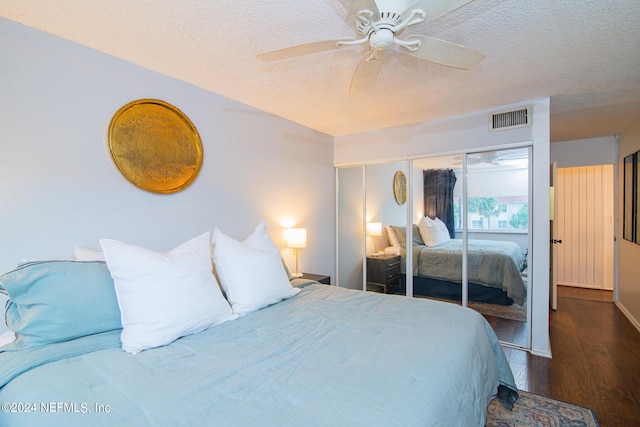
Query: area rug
538	411
512	312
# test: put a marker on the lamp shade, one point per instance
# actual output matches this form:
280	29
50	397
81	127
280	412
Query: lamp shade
297	238
374	229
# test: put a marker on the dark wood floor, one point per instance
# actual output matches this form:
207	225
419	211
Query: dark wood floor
596	358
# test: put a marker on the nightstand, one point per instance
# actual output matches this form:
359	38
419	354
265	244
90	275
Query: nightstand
383	273
325	280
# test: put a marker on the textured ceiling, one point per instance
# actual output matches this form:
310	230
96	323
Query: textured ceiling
585	55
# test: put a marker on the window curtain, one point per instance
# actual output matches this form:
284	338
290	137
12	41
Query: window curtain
438	196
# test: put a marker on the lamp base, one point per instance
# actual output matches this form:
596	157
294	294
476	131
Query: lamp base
295	276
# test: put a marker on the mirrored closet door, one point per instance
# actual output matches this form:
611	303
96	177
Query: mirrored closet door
497	216
350	189
481	203
385	228
452	228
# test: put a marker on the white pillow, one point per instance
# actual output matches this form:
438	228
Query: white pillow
430	232
393	239
81	253
444	229
392	250
251	272
164	296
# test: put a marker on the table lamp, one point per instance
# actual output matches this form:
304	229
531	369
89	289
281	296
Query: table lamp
296	239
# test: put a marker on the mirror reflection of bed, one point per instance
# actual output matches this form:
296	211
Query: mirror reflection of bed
496	271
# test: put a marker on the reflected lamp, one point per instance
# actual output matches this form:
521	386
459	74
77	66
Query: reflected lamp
374	229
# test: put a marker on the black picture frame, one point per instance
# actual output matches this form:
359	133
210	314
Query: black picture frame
636	197
630	220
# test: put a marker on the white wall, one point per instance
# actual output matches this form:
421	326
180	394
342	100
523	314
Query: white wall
468	132
628	252
453	134
585	152
59	186
381	205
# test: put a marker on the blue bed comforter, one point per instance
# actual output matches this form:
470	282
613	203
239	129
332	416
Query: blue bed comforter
491	263
328	356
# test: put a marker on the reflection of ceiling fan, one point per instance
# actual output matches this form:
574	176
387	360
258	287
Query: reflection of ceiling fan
490	158
494	158
379	23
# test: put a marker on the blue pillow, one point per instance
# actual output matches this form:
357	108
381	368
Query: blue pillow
54	301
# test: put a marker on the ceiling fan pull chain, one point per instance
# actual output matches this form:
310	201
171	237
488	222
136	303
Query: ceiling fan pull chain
372	56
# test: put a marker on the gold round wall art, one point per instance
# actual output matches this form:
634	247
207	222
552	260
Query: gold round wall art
400	187
155	146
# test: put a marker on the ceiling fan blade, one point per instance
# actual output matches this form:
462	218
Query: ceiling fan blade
358	5
445	53
365	75
434	9
300	50
347	4
353	6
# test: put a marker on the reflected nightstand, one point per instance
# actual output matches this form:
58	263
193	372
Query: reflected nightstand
383	274
325	280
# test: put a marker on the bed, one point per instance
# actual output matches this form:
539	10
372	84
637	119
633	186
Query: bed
494	270
321	355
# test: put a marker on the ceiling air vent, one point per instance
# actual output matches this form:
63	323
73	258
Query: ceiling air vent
510	119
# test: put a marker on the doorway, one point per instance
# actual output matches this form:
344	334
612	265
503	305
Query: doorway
586	227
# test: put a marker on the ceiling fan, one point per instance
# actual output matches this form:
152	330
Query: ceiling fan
512	156
379	23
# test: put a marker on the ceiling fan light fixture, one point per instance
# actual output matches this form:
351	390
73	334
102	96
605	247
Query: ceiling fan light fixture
381	39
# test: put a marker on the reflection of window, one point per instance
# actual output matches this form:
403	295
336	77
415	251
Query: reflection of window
493	213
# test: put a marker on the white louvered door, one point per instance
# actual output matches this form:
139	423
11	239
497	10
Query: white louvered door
585	226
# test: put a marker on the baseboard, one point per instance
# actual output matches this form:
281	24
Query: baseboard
633	321
579	286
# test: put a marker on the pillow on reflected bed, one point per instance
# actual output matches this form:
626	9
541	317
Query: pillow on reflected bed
400	235
54	301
